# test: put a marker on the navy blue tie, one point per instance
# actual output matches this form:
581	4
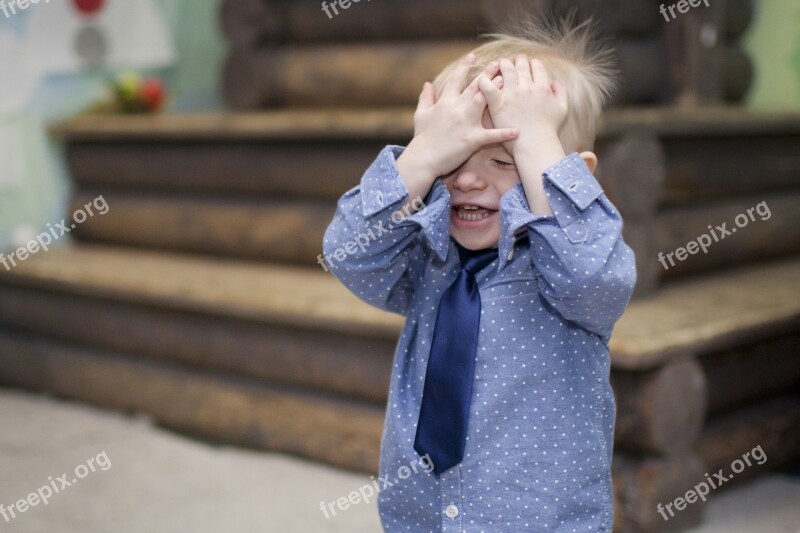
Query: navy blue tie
442	426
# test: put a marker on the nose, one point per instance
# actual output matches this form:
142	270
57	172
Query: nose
467	178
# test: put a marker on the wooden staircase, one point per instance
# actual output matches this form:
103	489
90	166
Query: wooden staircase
198	300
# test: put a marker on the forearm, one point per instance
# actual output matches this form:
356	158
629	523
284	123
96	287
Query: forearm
532	159
416	175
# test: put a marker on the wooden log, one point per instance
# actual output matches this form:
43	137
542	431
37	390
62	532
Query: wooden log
774	425
632	172
292	231
303	22
338	432
738	16
752	372
311	170
695	48
249	22
232	227
705	168
641	483
737	73
631	184
335	74
639	236
708	314
662	410
350	366
708	153
773	231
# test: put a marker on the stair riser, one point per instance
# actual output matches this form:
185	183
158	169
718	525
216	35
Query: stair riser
282	232
340	433
293	232
322	169
314	360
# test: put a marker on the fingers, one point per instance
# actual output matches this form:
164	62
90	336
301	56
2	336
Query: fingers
523	66
540	73
427	96
498	136
476	106
490	90
473	88
457	77
509	73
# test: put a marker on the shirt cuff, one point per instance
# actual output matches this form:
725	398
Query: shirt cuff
570	188
383	191
574	180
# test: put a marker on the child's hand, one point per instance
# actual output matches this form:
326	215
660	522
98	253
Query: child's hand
449	130
528	101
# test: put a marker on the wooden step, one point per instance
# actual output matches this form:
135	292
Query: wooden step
288	231
291	230
685	320
708	152
235	411
671	173
347	434
229	410
301	328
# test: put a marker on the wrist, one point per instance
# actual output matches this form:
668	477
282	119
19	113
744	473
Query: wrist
414	164
532	142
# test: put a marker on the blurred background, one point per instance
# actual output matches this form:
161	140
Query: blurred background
168	168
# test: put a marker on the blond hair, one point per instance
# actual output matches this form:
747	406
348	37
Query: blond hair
572	55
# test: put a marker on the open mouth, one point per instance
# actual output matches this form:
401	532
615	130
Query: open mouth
469	214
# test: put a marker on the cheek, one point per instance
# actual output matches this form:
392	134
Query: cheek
507	182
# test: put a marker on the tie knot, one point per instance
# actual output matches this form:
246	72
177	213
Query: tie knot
474	261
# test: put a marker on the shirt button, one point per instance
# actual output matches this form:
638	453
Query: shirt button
451	511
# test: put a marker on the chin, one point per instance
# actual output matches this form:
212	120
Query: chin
472	240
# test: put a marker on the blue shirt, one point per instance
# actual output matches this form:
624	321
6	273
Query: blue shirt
540	430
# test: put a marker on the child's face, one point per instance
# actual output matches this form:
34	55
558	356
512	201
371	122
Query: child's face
480	182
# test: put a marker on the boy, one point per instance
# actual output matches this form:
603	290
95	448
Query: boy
511	276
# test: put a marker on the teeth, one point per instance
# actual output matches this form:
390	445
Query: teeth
478	213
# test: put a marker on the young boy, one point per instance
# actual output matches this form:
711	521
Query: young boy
511	276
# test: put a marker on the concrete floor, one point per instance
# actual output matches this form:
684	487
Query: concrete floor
148	480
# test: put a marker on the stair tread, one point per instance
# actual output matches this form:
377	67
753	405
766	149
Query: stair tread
388	123
686	318
255	291
707	314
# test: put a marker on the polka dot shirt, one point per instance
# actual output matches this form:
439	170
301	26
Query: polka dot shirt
540	429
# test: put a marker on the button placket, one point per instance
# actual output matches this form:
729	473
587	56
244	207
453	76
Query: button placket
451	504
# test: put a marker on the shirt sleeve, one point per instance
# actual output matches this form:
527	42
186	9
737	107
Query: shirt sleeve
376	252
586	271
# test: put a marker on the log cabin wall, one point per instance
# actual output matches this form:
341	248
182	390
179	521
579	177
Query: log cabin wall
406	42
